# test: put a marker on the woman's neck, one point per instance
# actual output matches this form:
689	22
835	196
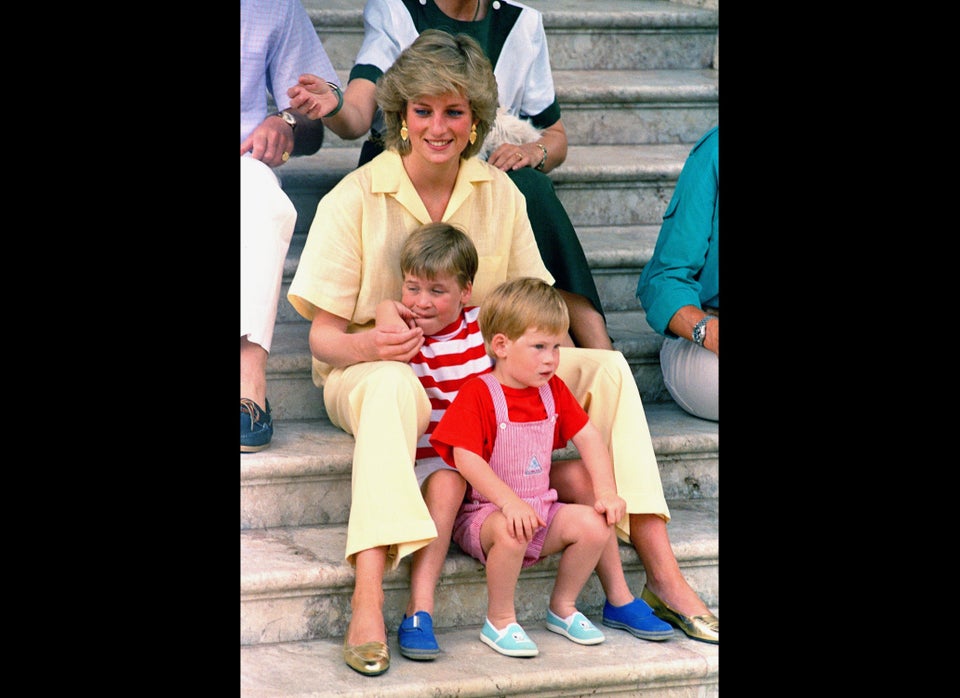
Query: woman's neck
434	183
463	10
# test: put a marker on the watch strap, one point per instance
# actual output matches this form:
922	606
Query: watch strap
288	117
700	330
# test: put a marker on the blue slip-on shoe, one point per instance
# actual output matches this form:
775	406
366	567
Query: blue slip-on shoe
416	636
256	426
579	629
511	641
637	618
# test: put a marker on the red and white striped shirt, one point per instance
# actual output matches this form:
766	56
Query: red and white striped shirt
446	361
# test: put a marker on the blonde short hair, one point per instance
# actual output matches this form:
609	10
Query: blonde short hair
438	63
520	304
436	249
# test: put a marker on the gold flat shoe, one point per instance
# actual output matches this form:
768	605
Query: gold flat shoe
705	628
370	658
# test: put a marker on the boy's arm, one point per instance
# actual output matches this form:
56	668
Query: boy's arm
597	460
522	519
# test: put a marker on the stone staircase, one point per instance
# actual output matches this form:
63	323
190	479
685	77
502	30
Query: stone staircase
638	84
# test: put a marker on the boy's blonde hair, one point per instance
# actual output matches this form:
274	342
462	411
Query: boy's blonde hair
439	249
523	303
438	63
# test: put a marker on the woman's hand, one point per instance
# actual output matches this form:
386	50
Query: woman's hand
331	343
395	344
312	97
553	138
512	157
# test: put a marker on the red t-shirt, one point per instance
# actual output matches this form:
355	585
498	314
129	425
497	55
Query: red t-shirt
470	421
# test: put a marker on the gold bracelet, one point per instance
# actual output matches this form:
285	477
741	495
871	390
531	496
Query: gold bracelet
543	160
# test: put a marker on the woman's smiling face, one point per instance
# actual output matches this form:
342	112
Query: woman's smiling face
439	127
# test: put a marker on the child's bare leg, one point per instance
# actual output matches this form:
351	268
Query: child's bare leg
582	535
648	533
573	484
504	561
443	493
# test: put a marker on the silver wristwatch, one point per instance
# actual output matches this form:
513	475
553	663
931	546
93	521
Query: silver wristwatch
700	330
289	118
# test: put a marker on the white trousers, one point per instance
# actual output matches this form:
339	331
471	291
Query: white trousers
692	376
267	218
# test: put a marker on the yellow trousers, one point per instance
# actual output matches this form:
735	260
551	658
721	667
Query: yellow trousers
384	407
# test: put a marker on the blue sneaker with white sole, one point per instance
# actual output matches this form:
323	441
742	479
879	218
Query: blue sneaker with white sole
579	629
638	619
511	641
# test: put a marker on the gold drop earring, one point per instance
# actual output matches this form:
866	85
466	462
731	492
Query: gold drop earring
403	130
473	134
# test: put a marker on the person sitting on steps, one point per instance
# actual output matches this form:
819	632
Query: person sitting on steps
439	99
679	288
513	37
277	43
500	433
438	263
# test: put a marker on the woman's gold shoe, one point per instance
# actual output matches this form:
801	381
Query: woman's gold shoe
705	628
370	658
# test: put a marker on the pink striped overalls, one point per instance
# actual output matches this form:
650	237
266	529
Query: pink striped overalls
521	458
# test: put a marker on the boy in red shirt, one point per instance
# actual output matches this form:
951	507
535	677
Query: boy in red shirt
500	433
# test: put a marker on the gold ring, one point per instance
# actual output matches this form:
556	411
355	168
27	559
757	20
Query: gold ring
285	156
519	155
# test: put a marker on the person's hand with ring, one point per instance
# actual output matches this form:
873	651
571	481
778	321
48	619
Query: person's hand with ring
511	156
271	142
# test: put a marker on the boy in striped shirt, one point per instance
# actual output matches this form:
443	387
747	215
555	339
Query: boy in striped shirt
438	263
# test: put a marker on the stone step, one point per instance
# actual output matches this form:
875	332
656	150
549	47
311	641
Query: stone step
612	107
295	584
303	479
599	185
294	396
621	665
598	35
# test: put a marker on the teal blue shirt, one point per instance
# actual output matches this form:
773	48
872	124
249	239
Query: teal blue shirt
685	268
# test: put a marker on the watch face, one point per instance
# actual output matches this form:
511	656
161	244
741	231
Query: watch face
286	116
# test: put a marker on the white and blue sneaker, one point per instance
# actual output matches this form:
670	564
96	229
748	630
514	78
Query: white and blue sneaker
511	641
577	628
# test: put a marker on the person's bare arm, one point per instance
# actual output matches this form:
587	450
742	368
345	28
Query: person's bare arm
522	519
553	138
269	141
331	343
683	321
596	458
312	97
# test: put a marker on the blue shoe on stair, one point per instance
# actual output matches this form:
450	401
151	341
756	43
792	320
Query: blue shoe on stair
637	618
416	637
512	641
256	426
579	629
